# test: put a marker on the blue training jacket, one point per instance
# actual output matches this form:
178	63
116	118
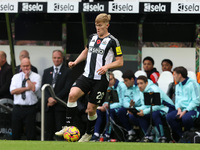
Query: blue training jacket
121	88
165	100
187	95
132	93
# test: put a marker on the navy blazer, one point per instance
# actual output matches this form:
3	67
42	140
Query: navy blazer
62	86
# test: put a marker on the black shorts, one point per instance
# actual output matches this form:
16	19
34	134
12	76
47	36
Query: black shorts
95	88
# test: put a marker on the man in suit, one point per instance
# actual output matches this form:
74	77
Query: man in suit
59	76
24	54
5	76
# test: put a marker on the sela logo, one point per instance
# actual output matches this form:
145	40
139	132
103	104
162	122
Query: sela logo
96	50
32	6
7	7
63	7
151	7
122	7
188	7
93	7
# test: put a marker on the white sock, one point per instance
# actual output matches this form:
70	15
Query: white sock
96	134
71	104
92	117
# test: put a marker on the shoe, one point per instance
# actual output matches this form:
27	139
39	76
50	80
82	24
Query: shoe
106	139
162	139
94	138
85	138
148	139
131	138
60	133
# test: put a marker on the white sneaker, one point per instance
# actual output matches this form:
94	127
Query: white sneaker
85	138
60	133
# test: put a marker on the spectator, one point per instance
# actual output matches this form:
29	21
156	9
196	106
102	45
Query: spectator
115	105
24	54
60	79
167	65
131	100
158	111
148	66
5	76
24	86
187	101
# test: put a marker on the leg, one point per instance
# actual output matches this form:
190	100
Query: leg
174	123
30	124
188	120
157	120
49	124
74	95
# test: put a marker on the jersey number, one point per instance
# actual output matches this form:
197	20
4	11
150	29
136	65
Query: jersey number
100	95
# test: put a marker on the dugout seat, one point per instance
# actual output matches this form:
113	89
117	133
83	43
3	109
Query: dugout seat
192	75
118	75
164	80
140	73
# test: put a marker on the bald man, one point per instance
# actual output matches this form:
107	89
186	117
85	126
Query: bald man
24	86
24	54
5	76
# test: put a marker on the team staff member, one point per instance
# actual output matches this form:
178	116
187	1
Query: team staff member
187	100
24	86
59	76
99	53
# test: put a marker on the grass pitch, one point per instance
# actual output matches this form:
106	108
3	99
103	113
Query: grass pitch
57	145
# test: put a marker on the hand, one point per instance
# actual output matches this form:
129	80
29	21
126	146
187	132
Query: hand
132	103
141	114
182	114
71	64
101	108
27	73
102	70
51	101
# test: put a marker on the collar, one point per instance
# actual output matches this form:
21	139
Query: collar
57	67
183	83
116	84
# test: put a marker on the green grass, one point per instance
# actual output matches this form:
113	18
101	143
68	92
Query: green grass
55	145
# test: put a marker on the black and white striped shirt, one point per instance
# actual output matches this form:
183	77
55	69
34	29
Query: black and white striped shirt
100	53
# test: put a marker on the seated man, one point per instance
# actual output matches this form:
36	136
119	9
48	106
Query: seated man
120	87
187	100
167	65
158	111
152	72
131	99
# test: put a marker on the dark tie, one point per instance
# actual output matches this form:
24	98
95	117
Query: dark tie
55	77
24	85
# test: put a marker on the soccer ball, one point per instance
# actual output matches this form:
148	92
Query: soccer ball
71	134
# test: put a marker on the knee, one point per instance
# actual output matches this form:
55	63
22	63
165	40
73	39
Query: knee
91	111
71	97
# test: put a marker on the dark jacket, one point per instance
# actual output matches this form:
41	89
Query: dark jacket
5	80
62	86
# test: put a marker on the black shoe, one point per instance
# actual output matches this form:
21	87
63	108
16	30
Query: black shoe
106	139
131	138
94	138
162	139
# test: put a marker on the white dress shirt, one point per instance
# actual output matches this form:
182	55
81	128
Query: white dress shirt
31	97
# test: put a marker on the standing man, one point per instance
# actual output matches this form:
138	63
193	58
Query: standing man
187	100
59	76
99	53
5	76
24	54
24	86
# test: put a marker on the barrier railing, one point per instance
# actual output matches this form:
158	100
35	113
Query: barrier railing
51	91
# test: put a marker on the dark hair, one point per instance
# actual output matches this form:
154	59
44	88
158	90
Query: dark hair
128	74
181	70
149	58
145	79
168	61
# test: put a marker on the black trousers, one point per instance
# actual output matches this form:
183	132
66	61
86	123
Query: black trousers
54	120
23	119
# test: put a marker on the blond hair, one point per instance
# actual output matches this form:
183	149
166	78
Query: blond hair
103	17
